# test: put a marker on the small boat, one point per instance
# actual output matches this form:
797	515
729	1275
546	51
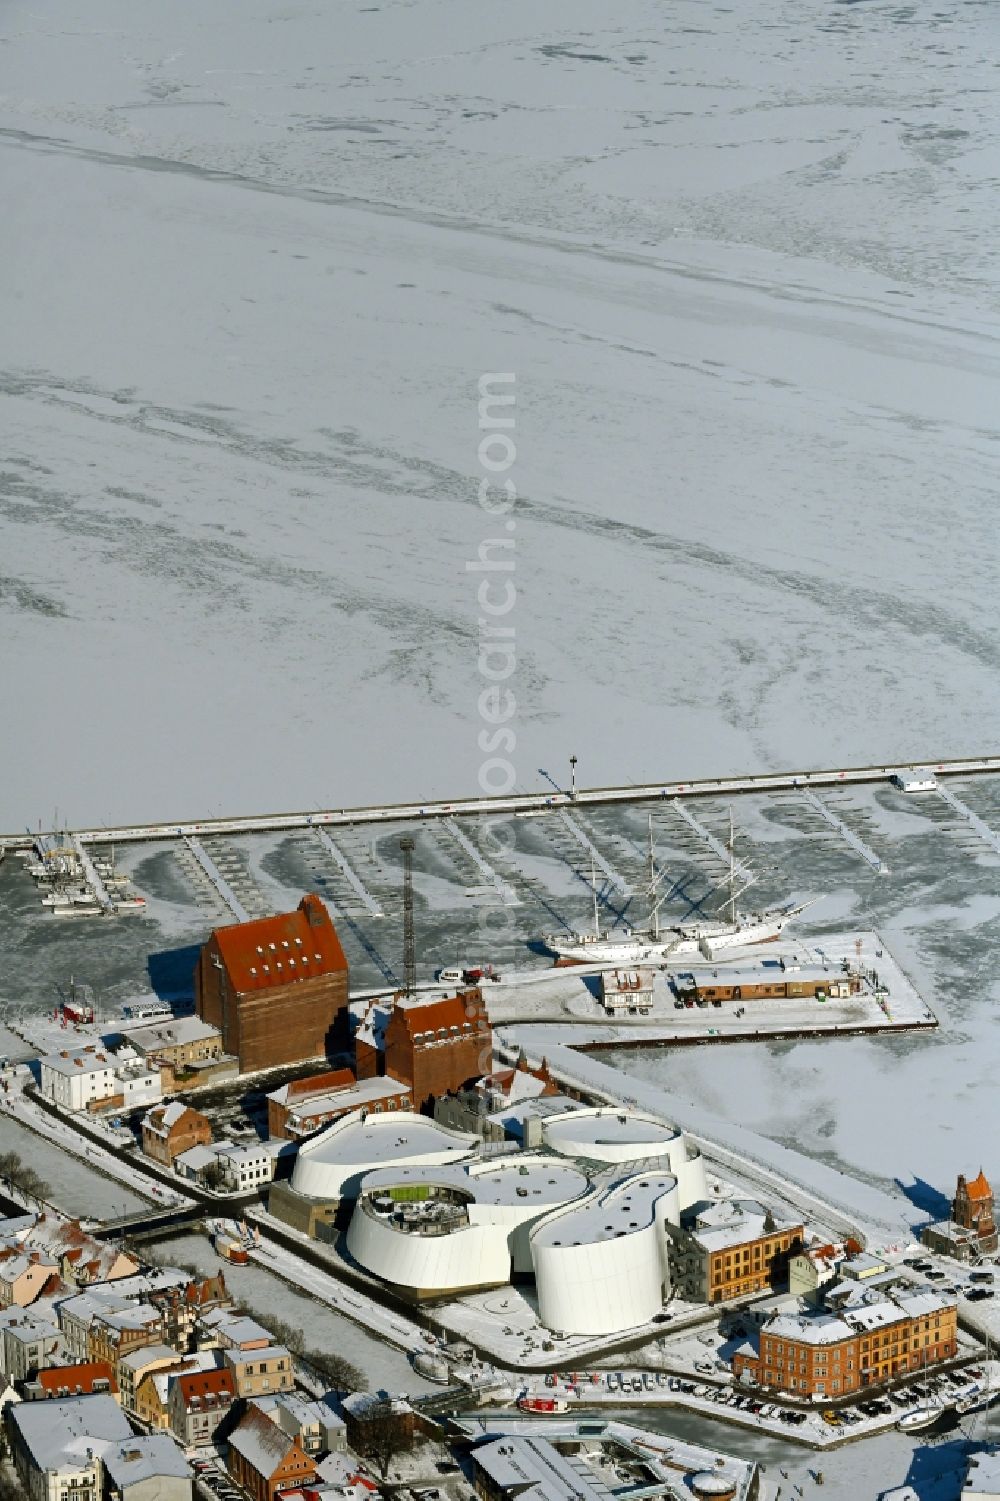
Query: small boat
543	1404
432	1367
130	904
921	1418
233	1242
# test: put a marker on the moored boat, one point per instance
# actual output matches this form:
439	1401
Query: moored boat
543	1404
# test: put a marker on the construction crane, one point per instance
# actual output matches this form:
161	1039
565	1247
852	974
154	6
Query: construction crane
409	948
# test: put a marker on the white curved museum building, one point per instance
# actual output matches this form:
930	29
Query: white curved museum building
443	1230
601	1266
605	1135
585	1216
331	1164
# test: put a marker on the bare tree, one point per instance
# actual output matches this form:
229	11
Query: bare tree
386	1433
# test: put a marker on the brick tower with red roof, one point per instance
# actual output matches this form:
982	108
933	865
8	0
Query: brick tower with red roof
276	988
972	1208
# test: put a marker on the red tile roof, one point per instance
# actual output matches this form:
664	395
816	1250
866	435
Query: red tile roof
78	1379
201	1384
340	1078
279	950
979	1188
462	1010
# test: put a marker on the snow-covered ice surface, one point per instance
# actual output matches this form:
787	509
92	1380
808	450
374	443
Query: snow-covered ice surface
743	261
267	1296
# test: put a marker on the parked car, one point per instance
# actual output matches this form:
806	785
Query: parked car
833	1418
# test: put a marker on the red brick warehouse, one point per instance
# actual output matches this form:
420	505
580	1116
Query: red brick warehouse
276	988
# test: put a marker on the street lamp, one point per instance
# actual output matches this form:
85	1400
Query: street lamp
572	773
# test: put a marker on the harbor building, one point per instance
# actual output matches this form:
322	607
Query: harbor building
971	1231
732	1249
276	988
766	979
627	992
434	1044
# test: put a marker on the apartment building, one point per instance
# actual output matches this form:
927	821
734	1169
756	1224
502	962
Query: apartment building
731	1249
831	1354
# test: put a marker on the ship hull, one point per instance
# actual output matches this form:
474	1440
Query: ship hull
673	943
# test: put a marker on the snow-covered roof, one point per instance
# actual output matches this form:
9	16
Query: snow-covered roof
261	1443
139	1360
533	1468
196	1158
621	1210
354	1097
578	1130
815	1329
540	1181
180	1031
336	1156
236	1329
162	1118
59	1432
735	1222
147	1457
983	1475
80	1062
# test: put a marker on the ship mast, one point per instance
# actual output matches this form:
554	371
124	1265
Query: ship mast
655	906
732	869
593	890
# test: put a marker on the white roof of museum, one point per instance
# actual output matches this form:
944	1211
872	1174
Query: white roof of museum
623	1209
508	1181
575	1130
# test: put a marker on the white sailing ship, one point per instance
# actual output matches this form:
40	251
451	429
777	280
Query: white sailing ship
654	944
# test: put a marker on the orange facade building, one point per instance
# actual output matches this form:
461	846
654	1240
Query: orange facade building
834	1354
275	988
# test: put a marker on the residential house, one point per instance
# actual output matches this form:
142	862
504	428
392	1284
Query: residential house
182	1306
257	1373
360	1409
832	1354
297	1109
152	1398
264	1460
113	1335
171	1129
138	1364
314	1425
221	1328
79	1079
28	1343
148	1468
55	1445
731	1249
197	1402
77	1314
24	1276
178	1043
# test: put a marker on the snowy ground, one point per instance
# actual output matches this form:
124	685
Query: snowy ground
743	264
